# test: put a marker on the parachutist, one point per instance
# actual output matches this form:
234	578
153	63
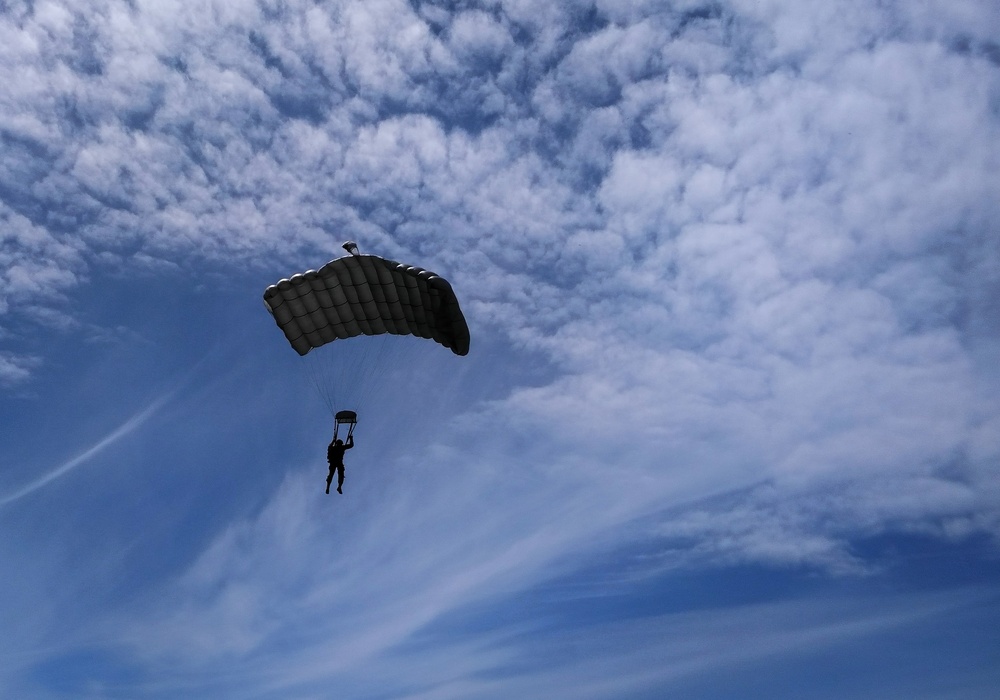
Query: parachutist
335	456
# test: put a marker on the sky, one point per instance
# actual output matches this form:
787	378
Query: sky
730	422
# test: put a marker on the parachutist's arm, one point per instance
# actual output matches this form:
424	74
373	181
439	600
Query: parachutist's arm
350	441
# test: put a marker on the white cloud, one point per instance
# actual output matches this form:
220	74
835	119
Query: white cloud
782	216
37	267
750	260
15	369
475	35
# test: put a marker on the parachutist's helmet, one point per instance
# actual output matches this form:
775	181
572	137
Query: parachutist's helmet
338	441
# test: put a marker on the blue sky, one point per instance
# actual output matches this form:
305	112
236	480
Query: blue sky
729	426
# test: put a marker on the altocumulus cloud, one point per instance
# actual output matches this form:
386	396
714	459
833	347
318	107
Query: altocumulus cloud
753	244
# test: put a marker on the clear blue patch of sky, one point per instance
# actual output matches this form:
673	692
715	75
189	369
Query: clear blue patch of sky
91	672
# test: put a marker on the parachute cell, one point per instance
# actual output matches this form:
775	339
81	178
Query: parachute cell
366	295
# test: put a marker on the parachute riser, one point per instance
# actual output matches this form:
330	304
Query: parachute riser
350	430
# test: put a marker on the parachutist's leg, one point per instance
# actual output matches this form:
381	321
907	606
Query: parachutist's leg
340	478
329	478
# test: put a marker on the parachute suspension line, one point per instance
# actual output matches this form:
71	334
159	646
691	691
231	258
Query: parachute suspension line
348	377
320	382
317	374
369	373
357	376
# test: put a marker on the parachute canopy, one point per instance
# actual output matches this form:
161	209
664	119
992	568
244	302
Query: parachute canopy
366	295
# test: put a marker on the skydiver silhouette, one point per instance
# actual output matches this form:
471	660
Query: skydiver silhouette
335	456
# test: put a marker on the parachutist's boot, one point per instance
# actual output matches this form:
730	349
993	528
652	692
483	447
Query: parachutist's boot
328	488
339	490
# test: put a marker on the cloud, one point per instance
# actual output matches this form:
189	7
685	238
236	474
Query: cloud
775	217
111	438
649	656
440	636
14	369
757	271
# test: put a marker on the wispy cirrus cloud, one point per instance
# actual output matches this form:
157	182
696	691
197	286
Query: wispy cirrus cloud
122	431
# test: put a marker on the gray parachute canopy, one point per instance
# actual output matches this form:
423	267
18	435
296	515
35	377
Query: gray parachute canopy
366	295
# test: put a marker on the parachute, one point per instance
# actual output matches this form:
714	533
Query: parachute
366	295
361	295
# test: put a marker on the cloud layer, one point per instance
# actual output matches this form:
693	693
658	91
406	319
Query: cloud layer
747	252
